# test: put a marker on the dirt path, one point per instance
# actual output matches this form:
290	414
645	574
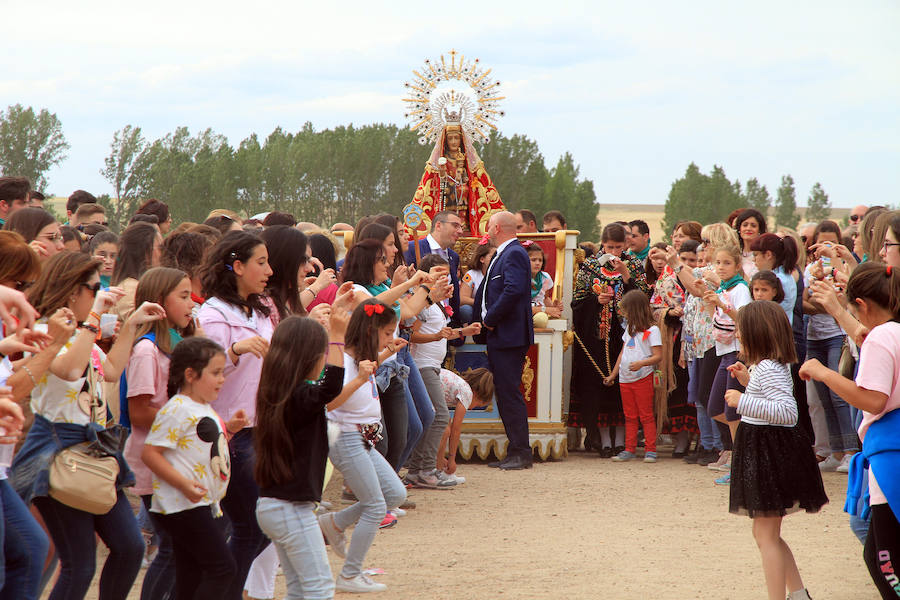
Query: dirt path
590	528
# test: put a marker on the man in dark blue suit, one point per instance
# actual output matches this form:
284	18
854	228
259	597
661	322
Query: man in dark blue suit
503	301
445	230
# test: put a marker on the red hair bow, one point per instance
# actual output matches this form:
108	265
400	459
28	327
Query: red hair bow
485	240
527	243
373	309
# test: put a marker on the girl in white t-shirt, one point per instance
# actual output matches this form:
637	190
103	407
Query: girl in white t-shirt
732	294
473	277
873	293
187	451
473	389
641	352
370	333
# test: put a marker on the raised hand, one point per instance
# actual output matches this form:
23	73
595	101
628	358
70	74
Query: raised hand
366	368
147	312
15	311
61	325
739	371
106	299
322	314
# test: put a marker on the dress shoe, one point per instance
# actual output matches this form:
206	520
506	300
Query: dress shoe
494	464
516	463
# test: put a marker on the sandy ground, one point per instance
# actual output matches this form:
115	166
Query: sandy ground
587	528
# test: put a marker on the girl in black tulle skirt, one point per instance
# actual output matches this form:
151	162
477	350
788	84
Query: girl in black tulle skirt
773	470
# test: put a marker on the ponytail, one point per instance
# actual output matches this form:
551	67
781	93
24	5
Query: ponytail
784	249
876	283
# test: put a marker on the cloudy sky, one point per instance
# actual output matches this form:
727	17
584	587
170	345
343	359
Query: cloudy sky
634	92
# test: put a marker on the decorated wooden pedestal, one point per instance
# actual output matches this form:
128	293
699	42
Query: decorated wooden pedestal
545	378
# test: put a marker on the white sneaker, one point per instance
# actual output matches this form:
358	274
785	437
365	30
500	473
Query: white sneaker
360	584
398	512
844	467
442	482
458	479
723	464
335	536
829	464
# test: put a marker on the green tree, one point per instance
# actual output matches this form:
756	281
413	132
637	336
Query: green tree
700	197
786	204
576	201
757	196
30	144
818	207
126	170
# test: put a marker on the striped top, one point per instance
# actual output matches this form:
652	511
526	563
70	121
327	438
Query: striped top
769	398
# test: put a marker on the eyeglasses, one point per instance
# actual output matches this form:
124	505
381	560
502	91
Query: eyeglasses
93	287
53	238
705	241
888	244
854	218
23	285
803	238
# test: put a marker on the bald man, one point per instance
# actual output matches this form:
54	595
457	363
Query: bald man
858	212
503	304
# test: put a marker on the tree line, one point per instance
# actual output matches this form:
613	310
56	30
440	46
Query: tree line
711	198
323	176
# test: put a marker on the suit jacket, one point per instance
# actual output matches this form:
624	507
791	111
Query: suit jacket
425	248
507	290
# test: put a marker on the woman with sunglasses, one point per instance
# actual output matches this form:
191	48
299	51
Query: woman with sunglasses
40	230
64	402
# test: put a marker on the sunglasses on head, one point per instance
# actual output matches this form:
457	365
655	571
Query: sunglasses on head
93	287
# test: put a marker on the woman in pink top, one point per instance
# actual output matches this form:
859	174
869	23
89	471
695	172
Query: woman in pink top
147	374
236	317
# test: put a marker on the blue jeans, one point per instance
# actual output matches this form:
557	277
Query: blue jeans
709	433
294	529
841	434
377	489
419	406
72	531
159	580
239	504
23	548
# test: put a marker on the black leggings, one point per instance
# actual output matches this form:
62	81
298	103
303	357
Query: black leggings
882	551
204	566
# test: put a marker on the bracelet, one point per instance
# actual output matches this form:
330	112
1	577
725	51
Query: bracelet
233	351
425	287
30	374
92	328
95	315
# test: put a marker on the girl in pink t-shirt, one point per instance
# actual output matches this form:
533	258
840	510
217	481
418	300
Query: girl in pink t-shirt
147	374
873	293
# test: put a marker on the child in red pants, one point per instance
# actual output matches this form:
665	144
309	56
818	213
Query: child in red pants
634	368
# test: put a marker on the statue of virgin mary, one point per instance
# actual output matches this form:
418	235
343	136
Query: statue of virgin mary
455	177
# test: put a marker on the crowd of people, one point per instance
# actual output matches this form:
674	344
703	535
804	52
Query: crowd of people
770	349
204	378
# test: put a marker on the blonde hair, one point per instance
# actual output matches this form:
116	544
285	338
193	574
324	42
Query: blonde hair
734	251
719	234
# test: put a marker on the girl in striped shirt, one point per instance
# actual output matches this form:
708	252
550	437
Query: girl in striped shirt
773	470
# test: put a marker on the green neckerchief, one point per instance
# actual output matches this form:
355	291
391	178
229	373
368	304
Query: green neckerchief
174	337
315	381
378	288
865	257
727	285
642	255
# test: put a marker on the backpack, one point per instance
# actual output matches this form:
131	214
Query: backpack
124	418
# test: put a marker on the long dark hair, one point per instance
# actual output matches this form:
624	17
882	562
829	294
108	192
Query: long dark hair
359	264
287	253
379	232
28	222
784	249
186	251
765	333
217	276
297	345
191	353
323	249
749	213
154	286
362	330
135	252
392	221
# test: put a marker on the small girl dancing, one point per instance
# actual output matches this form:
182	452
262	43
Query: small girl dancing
187	452
353	453
296	386
634	367
774	471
